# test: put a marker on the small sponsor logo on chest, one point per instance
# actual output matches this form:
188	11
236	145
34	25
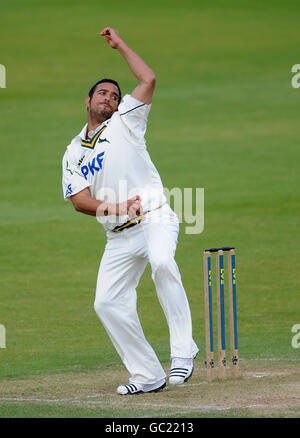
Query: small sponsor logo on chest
95	165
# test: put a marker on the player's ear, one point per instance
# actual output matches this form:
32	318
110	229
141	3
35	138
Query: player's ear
87	102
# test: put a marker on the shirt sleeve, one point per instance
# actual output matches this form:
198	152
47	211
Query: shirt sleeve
72	181
134	114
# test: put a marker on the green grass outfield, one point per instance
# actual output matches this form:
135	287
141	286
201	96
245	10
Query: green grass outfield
224	117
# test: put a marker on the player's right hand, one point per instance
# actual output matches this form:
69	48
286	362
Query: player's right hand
112	37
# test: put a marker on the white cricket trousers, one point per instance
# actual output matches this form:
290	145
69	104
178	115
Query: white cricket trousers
124	261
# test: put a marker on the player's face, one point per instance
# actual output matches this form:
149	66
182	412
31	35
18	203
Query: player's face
104	101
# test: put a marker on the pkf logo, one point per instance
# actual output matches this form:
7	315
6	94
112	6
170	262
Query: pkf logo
2	76
92	166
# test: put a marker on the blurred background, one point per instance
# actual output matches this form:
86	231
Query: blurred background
225	118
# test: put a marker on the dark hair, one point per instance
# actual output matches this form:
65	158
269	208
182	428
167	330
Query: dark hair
92	90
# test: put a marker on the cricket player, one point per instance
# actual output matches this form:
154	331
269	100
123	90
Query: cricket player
108	173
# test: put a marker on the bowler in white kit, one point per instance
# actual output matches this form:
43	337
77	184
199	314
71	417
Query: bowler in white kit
108	173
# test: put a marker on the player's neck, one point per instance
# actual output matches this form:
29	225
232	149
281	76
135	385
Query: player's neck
93	124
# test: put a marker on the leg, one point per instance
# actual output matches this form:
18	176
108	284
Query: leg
161	239
115	305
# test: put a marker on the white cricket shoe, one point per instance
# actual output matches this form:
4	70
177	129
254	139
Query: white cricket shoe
181	370
137	388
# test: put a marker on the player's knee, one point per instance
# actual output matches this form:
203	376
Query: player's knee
162	264
101	304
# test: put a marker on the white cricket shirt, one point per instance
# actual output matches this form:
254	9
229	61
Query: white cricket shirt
114	163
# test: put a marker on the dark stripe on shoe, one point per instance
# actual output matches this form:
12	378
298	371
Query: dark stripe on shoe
183	369
132	389
181	372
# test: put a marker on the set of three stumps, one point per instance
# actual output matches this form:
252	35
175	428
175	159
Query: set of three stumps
208	306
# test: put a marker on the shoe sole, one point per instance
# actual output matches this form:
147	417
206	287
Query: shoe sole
147	392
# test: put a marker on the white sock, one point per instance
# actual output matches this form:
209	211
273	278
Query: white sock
181	362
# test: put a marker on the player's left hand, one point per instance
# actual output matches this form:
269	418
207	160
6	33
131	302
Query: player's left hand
132	207
135	209
112	37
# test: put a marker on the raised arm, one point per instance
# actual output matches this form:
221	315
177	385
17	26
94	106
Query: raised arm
146	77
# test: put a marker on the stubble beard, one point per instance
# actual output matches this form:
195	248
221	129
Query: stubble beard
100	116
100	113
